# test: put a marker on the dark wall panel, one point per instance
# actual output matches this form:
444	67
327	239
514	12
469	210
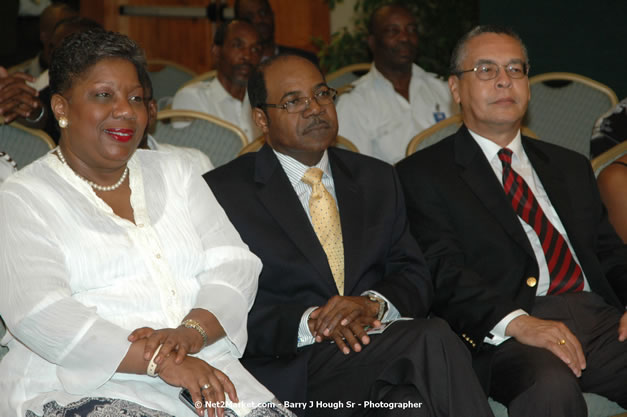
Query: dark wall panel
588	37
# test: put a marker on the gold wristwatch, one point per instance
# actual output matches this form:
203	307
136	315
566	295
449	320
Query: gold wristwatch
383	305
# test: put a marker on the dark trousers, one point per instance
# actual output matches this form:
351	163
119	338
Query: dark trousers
534	382
419	361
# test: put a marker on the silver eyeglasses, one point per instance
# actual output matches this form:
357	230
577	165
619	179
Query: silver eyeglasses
323	97
490	70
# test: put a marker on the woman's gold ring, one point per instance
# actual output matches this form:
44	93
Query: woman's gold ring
206	386
561	342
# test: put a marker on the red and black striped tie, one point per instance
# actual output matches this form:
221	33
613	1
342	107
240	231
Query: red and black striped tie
565	273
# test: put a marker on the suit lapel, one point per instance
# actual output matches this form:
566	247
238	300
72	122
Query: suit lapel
277	195
350	203
476	171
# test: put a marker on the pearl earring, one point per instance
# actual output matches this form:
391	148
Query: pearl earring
63	122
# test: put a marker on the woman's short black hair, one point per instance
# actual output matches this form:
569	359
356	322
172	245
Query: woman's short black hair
80	51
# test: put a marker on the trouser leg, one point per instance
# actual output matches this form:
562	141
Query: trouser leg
534	382
423	354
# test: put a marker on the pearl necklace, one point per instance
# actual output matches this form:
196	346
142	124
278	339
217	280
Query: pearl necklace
91	183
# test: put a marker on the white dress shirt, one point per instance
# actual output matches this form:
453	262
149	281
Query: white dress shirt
381	122
295	172
77	279
522	165
210	97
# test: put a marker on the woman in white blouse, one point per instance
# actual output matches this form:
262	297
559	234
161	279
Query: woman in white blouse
99	240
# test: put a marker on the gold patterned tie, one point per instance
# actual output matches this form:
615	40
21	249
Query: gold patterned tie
326	222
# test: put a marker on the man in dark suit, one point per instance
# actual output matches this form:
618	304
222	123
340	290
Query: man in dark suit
260	14
338	259
527	269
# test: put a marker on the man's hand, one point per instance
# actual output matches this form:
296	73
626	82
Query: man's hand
343	320
622	328
17	99
550	335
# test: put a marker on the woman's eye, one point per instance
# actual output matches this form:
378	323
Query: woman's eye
103	94
137	99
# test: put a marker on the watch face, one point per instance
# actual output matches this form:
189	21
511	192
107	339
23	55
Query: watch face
382	305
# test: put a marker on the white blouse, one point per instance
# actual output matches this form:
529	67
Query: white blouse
76	279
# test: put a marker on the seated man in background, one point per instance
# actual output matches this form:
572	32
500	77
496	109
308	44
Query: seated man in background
260	14
396	99
27	100
613	186
48	20
198	159
527	269
329	226
609	130
236	51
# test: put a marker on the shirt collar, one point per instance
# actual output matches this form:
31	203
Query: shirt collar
416	74
219	93
491	149
296	170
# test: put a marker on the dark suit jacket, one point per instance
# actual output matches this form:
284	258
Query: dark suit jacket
477	251
380	253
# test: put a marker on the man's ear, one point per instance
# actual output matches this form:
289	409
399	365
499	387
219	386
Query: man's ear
453	85
215	52
261	119
371	41
59	106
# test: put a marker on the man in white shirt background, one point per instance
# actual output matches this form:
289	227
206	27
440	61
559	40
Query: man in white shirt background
396	99
197	158
236	51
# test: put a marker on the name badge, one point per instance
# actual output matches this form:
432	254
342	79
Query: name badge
439	116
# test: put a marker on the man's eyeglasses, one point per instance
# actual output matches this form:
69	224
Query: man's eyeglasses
490	70
300	104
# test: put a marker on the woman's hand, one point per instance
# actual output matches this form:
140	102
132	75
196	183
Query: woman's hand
194	374
182	340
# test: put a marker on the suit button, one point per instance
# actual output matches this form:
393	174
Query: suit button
532	281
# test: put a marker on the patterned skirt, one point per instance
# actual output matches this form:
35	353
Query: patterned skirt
110	407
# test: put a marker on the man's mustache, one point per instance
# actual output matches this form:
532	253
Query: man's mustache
405	45
246	66
316	123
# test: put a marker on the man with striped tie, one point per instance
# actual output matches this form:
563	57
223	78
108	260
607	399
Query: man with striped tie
527	269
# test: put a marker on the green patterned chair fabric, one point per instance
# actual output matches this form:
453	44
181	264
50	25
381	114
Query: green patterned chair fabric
167	78
434	134
346	75
219	140
563	110
597	407
23	144
437	136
